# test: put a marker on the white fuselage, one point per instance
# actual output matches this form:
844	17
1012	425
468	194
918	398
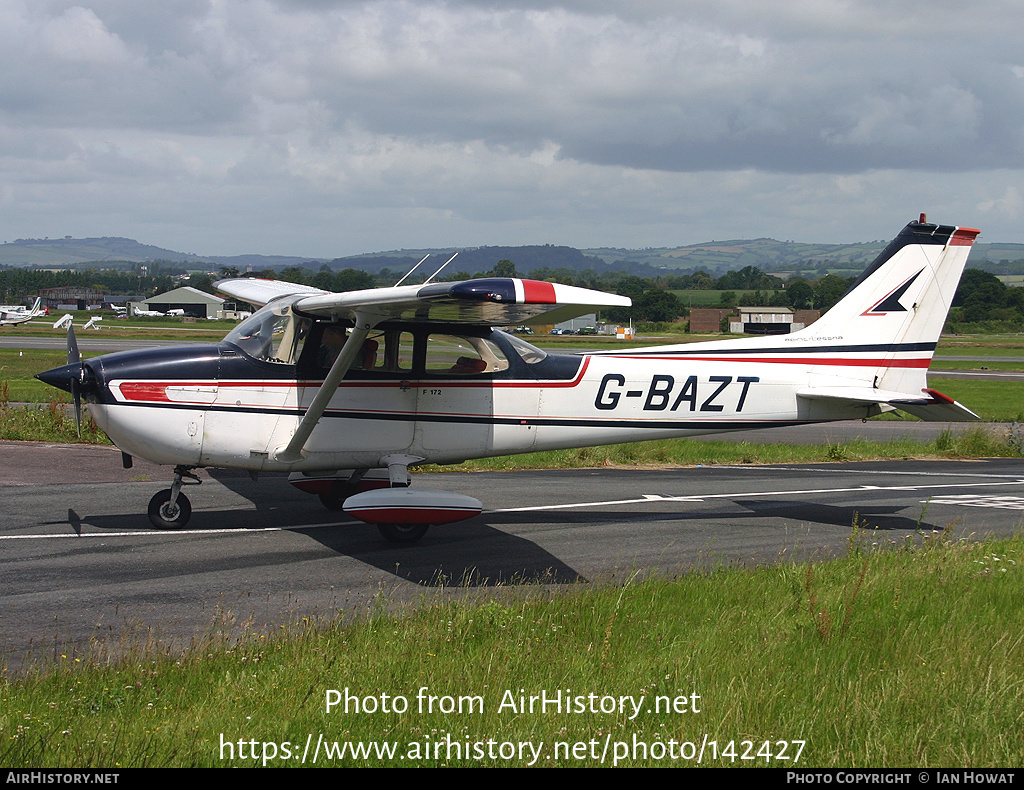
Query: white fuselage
612	399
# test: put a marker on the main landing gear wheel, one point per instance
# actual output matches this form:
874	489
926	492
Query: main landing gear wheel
403	533
340	491
164	515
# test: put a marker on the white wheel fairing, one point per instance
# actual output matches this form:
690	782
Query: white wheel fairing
408	506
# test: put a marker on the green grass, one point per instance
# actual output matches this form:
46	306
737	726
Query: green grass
993	401
908	656
979	365
18	369
966	442
112	327
53	421
999	345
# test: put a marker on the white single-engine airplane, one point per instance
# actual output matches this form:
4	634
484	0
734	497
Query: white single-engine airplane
346	391
10	314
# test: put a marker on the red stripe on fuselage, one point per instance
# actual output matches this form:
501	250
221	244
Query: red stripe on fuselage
149	391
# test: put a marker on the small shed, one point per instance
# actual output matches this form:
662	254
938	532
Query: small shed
771	320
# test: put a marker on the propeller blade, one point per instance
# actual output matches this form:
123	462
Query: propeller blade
76	389
76	393
73	355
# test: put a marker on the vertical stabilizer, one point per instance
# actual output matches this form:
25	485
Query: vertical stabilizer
890	319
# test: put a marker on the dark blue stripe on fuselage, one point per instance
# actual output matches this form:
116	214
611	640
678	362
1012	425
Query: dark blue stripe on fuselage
724	425
853	349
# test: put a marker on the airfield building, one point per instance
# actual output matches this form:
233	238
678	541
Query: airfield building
192	301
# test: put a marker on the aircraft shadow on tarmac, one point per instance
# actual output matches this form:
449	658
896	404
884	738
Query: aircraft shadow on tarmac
477	552
880	517
468	555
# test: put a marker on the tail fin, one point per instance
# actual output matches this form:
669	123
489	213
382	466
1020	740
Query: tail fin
888	324
890	319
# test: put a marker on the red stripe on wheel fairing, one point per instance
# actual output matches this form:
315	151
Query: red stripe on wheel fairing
411	515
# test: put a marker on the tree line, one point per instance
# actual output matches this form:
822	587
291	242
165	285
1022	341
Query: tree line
980	299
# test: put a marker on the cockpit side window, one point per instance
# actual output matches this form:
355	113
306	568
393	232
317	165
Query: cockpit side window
383	351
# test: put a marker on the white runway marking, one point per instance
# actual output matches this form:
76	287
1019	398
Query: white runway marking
173	533
886	472
981	500
648	498
976	501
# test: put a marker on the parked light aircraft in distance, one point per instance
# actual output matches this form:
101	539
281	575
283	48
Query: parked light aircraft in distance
17	314
346	391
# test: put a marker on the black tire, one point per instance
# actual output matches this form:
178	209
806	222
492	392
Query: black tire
162	516
403	533
340	491
331	502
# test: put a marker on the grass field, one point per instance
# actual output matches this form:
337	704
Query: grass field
905	653
993	401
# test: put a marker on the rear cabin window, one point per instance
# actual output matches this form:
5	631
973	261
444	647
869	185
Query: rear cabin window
455	355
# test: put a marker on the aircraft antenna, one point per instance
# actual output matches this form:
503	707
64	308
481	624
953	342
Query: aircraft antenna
431	277
414	268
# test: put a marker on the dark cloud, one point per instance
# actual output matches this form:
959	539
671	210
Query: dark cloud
469	114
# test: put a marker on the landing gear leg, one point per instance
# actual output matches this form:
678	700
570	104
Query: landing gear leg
170	509
398	472
342	490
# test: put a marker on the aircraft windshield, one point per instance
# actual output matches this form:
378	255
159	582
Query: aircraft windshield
530	354
274	334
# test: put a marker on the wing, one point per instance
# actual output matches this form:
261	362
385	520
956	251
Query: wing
260	292
490	301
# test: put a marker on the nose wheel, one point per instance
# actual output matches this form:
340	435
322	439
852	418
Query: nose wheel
170	509
164	514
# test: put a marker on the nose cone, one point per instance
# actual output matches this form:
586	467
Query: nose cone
63	378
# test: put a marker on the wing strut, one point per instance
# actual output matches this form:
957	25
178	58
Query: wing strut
292	452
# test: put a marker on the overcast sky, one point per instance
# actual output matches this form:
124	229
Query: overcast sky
331	127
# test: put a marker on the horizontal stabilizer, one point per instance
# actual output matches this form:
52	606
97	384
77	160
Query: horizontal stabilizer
930	405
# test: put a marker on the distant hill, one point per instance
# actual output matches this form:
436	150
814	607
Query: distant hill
735	254
715	257
478	259
55	253
769	255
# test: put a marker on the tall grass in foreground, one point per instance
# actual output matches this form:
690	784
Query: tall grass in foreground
45	422
910	656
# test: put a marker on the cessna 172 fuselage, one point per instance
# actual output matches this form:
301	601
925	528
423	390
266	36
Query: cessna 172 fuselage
336	388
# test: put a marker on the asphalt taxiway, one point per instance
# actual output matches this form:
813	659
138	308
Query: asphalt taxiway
80	561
